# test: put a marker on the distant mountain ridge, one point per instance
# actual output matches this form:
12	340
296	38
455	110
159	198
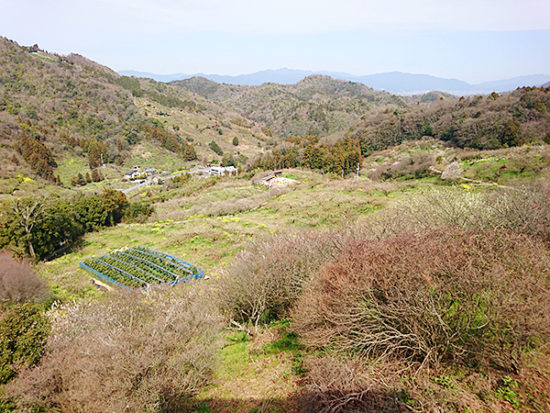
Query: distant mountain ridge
393	82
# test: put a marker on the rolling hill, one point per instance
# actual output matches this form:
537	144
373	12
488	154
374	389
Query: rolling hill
64	115
481	122
317	105
61	115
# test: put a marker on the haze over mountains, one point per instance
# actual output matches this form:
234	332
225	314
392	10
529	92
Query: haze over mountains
393	82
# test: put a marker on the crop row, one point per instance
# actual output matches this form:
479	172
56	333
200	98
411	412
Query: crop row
141	267
165	260
112	272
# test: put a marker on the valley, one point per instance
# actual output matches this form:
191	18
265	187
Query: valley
370	252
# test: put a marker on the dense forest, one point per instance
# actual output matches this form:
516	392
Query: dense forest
43	227
480	122
342	157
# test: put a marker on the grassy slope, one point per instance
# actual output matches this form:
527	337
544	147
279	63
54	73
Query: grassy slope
199	222
208	221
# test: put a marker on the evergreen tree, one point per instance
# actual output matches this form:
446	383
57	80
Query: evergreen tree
95	176
228	160
215	147
38	156
189	153
510	135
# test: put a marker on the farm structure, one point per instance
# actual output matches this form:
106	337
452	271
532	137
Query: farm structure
203	171
140	268
137	173
277	180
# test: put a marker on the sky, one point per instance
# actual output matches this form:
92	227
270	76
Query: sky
471	40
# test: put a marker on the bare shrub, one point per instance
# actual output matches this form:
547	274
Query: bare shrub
332	385
440	296
417	166
525	210
18	282
266	279
130	352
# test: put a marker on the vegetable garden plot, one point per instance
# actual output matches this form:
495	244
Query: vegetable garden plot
140	267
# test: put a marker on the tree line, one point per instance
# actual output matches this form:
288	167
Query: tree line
42	227
342	157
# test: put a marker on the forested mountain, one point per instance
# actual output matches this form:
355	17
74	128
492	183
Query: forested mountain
317	105
482	122
49	102
54	106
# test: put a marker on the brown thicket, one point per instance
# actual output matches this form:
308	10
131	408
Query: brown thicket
524	210
137	351
440	296
334	385
266	280
18	283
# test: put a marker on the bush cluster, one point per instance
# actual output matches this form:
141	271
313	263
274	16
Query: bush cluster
134	351
439	296
266	280
453	281
18	282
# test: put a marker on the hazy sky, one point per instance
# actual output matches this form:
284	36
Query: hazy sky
472	40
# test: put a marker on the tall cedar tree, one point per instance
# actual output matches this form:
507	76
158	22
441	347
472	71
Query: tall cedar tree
38	156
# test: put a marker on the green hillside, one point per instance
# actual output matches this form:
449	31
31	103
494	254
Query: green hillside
60	112
317	105
480	122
